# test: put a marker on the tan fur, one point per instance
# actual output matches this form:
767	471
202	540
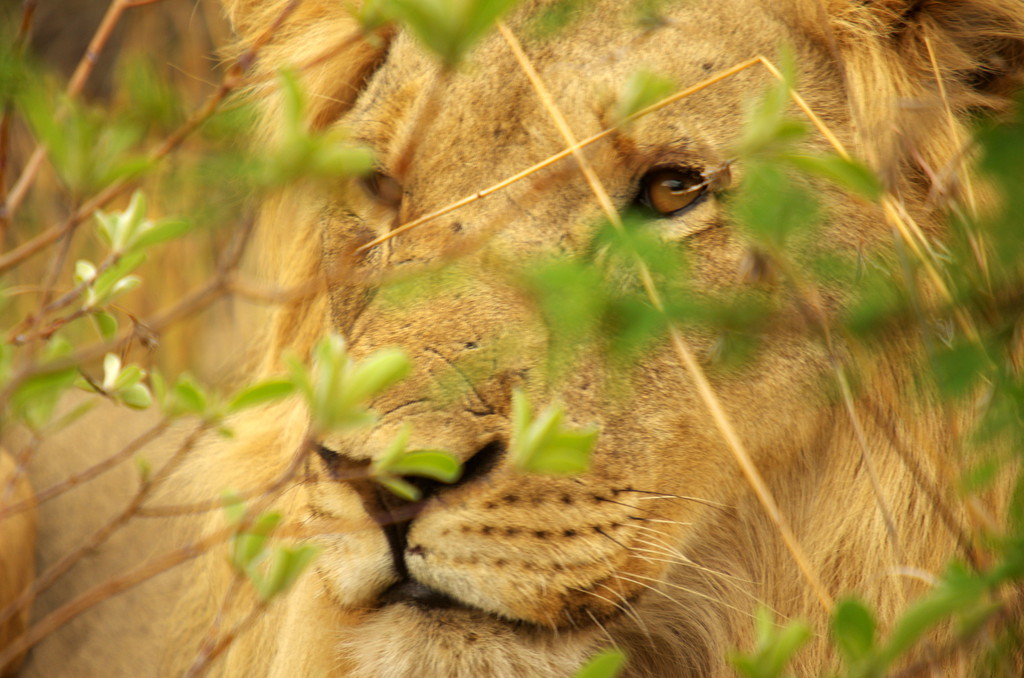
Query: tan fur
551	569
17	551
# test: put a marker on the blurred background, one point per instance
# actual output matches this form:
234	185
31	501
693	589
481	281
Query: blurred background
156	69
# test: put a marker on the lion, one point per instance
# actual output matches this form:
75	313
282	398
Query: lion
16	564
661	548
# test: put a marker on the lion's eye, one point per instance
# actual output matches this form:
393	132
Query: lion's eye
670	190
383	189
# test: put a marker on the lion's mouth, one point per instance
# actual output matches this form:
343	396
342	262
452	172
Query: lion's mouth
414	593
438	606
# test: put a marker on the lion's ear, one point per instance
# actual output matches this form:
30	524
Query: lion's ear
318	39
909	65
976	45
250	18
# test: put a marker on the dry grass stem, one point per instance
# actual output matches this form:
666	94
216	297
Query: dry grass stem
682	349
573	149
869	462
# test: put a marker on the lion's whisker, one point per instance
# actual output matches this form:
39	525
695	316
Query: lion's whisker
666	521
619	606
667	495
602	628
667	558
680	587
620	503
630	610
677	557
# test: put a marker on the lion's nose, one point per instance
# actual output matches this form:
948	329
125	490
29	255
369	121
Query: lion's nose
395	514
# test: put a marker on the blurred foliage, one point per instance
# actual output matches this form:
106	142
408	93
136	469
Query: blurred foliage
619	297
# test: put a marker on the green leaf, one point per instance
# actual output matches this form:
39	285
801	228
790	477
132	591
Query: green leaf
542	445
85	271
395	462
128	376
111	282
554	17
188	397
853	628
299	375
573	298
106	324
401	488
36	398
849	174
641	90
304	154
234	507
260	393
436	464
569	455
286	564
136	395
771	206
769	129
377	373
371	14
333	160
159	386
959	592
117	230
395	450
607	664
247	547
160	232
336	388
775	647
449	27
960	367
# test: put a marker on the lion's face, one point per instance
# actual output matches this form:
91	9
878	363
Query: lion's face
661	546
504	560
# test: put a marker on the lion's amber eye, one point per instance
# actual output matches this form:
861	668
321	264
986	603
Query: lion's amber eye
383	189
669	190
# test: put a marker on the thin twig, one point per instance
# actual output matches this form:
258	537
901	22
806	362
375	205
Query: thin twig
65	613
110	588
47	578
188	305
233	79
78	79
214	647
30	247
88	474
27	14
20	463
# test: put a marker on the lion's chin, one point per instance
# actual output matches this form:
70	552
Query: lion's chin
408	639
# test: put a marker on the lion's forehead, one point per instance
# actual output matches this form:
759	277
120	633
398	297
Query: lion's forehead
488	109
